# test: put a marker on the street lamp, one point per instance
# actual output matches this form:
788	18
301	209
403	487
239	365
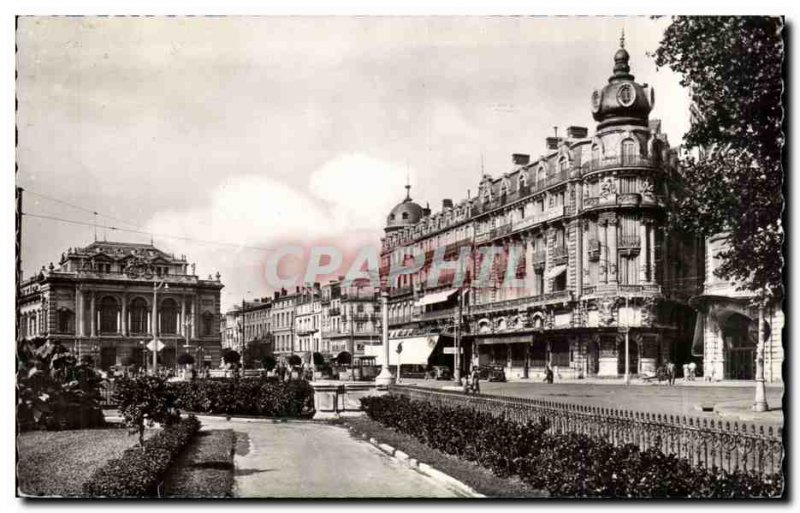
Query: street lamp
385	377
156	287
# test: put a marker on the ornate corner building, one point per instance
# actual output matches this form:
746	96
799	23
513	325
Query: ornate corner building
582	254
99	301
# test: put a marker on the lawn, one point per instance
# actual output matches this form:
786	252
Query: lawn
205	469
57	463
478	478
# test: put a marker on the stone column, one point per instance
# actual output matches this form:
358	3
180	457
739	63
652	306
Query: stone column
577	228
584	228
79	324
183	328
611	228
93	311
193	313
125	315
643	251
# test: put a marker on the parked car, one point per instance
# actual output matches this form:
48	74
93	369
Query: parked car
440	372
493	373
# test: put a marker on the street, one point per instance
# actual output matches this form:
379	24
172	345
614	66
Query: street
680	399
309	459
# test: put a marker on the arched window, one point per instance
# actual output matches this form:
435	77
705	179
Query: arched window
405	215
169	317
541	176
208	323
109	308
595	156
138	316
563	164
523	180
66	321
628	151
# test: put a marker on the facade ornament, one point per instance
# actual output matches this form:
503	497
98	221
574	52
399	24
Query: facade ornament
606	307
646	187
608	187
550	319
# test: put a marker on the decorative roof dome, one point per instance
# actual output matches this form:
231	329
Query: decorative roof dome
406	213
622	101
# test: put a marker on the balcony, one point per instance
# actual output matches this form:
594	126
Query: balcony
435	315
539	259
523	302
617	161
538	218
333	312
500	231
629	199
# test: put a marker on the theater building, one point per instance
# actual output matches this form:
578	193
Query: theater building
583	228
98	301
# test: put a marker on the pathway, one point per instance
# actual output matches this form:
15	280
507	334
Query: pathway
307	459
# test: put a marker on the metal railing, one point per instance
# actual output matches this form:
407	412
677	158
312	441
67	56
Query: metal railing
702	442
617	161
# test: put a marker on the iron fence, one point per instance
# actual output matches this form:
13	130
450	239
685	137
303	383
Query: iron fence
702	442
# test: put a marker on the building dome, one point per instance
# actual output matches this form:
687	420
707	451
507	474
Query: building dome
406	213
622	101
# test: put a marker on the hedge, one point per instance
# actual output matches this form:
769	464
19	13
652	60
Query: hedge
138	472
248	396
566	465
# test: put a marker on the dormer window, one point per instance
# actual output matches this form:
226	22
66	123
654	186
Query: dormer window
405	215
563	164
523	180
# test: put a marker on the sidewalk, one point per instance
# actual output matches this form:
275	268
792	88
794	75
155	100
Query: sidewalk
306	459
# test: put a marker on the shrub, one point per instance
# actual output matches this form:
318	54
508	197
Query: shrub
251	396
566	465
268	362
54	390
145	400
138	472
185	359
230	356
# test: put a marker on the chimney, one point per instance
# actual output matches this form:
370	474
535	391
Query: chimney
553	142
447	203
427	210
283	291
520	159
316	285
297	289
577	132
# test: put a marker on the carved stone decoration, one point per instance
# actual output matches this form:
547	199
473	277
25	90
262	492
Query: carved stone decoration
605	307
649	311
608	187
586	272
138	267
524	319
612	269
646	187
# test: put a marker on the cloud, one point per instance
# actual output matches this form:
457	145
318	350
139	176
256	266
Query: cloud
345	204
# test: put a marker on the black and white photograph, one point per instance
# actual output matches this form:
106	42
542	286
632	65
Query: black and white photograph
400	257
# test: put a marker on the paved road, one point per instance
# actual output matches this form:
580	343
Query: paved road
676	400
314	460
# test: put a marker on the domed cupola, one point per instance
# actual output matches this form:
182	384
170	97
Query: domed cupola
622	101
406	213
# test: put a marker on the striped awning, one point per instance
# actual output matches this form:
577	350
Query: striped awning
416	350
555	271
436	297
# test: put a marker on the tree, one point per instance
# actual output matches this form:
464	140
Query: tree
231	357
254	352
268	362
144	401
732	185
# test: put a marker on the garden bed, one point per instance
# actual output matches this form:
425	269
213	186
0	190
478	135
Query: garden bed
476	477
57	463
205	469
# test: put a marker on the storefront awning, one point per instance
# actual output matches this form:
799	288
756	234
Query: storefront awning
416	350
436	297
555	271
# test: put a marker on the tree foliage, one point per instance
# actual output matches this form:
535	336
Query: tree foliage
185	359
144	401
54	391
231	357
732	184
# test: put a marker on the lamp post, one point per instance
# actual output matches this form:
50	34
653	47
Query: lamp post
385	377
156	286
760	403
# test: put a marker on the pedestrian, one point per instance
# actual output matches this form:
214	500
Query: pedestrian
465	384
476	381
685	372
548	374
692	370
670	372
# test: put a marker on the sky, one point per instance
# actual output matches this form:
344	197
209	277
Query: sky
227	137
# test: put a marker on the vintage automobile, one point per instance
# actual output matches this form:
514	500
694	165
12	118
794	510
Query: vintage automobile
492	373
